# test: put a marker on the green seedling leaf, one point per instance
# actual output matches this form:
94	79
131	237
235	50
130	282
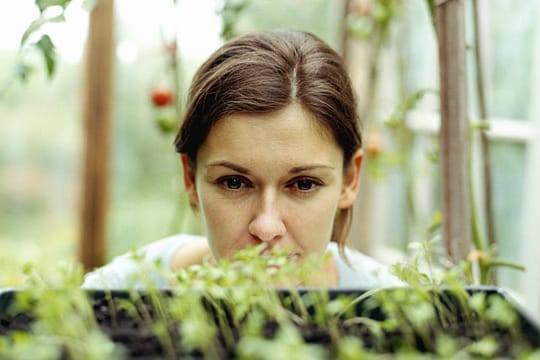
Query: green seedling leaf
420	314
98	346
487	347
351	348
288	344
24	346
478	302
196	334
534	355
446	346
501	312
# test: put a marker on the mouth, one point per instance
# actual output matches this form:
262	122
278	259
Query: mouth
271	252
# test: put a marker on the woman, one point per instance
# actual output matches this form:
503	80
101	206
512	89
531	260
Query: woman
271	152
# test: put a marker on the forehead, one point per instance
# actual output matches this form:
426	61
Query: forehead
288	134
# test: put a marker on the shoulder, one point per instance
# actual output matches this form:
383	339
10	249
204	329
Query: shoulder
121	271
363	271
165	249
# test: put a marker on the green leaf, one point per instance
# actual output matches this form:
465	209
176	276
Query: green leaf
360	27
486	347
44	4
49	53
411	102
38	23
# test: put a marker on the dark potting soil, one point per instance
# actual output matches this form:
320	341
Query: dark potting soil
140	341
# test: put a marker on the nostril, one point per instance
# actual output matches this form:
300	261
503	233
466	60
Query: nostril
266	228
266	238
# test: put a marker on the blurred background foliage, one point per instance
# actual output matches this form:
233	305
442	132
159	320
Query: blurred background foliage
41	128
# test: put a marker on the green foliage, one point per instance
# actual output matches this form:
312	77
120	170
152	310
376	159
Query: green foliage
51	11
44	44
64	321
287	344
232	308
374	20
230	12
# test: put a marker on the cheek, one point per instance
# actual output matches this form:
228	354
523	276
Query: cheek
225	226
312	227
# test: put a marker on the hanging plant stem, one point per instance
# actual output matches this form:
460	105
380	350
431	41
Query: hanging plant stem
484	141
345	30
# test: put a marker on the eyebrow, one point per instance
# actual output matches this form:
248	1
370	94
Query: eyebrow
229	165
299	169
245	171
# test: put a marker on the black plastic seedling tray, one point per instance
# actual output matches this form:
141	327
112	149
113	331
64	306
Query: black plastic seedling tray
139	342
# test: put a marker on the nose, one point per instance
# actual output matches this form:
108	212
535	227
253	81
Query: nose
267	224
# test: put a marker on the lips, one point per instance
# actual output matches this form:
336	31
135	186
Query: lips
270	252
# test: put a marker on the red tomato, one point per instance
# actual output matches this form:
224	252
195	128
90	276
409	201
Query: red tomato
374	143
162	96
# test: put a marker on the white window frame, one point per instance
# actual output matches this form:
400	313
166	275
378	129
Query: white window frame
522	131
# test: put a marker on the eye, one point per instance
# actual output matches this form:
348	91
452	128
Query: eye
233	182
305	185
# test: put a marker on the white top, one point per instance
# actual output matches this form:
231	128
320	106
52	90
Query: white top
121	272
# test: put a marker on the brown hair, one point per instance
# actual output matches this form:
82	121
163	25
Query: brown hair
263	72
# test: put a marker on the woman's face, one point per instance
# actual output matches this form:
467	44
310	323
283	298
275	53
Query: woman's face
273	178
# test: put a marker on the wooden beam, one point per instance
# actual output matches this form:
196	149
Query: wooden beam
97	113
454	131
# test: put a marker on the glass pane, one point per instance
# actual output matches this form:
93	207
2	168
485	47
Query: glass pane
508	191
509	56
412	207
421	53
321	17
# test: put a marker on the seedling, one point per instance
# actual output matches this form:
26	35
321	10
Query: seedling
233	309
